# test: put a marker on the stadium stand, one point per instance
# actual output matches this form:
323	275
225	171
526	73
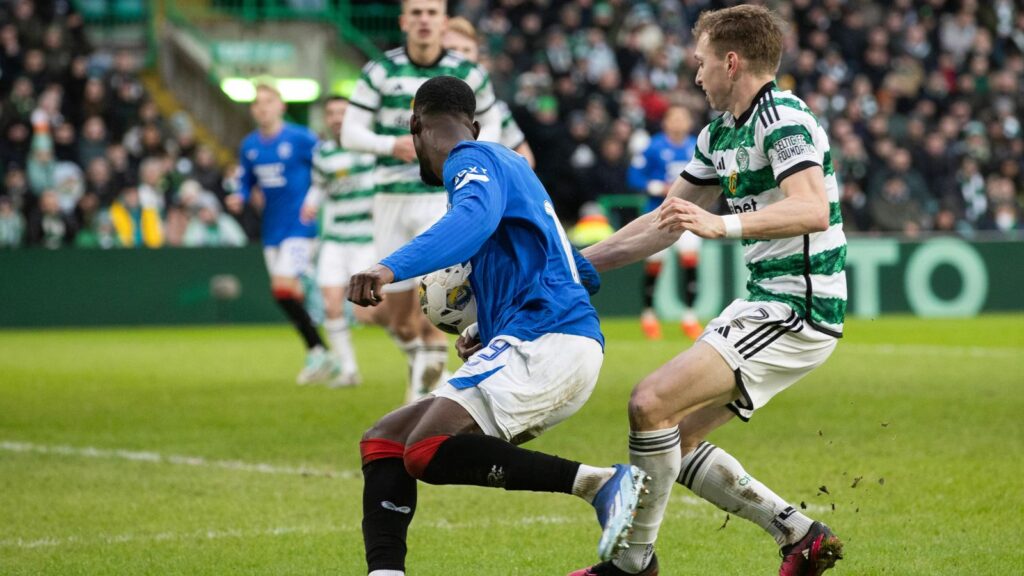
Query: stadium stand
921	98
922	101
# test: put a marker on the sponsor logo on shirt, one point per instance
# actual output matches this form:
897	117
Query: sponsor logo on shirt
468	175
790	147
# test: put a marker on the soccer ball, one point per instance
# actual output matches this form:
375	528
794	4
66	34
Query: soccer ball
447	298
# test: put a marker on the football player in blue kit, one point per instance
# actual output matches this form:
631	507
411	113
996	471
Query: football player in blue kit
278	157
536	358
653	171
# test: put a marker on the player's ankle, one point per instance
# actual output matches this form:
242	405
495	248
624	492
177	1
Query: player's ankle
589	481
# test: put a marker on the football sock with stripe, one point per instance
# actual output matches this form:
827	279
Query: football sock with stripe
389	503
657	453
714	475
341	342
478	460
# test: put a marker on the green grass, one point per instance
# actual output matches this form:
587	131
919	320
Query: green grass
926	413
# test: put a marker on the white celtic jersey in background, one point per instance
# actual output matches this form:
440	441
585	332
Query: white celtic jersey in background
748	157
346	181
387	86
511	134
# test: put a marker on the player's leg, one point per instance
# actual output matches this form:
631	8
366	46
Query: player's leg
405	326
389	492
688	249
648	318
337	263
769	349
430	368
515	391
284	265
693	380
389	234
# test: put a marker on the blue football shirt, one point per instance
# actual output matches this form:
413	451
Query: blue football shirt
502	221
663	160
281	166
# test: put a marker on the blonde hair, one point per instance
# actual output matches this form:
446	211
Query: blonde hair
463	27
753	32
268	84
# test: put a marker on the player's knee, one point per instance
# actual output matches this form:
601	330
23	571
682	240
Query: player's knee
282	293
420	453
405	331
375	445
644	408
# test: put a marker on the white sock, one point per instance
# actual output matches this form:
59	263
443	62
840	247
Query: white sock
413	357
657	453
341	343
387	573
634	559
714	475
435	360
589	481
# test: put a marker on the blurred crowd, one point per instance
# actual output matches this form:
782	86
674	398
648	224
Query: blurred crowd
86	159
921	99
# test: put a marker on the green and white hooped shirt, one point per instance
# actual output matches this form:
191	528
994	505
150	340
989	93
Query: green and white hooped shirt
748	157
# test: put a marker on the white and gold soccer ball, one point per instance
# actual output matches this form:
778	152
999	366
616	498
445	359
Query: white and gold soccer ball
447	299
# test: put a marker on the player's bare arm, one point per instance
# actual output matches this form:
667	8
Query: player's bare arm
642	237
365	287
803	211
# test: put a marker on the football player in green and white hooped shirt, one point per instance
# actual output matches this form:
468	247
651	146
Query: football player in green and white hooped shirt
342	194
461	37
377	121
770	157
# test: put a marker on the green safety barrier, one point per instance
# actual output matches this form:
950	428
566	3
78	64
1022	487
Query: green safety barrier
938	277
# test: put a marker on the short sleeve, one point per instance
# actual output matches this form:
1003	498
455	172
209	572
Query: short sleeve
789	145
366	95
480	81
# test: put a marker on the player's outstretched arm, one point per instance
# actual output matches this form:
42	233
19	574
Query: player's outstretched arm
804	210
642	237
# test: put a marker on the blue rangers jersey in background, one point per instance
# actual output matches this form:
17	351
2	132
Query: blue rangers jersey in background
662	161
281	166
501	220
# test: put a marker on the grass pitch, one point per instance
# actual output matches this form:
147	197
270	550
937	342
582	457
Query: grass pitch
190	451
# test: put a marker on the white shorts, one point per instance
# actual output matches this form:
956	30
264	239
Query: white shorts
291	258
768	346
398	218
338	261
515	390
687	243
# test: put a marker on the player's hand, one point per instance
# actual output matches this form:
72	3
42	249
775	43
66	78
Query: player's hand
234	203
678	215
468	342
364	288
307	214
404	149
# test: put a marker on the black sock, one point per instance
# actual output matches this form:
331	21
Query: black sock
296	312
477	460
389	502
688	279
648	288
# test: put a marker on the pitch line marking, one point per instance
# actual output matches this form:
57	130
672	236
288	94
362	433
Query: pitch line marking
174	459
691	507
